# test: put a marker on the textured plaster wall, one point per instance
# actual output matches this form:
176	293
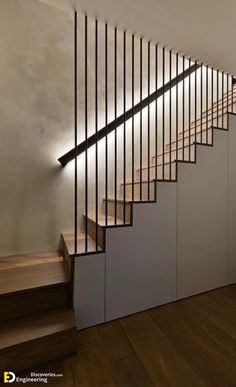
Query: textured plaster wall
36	125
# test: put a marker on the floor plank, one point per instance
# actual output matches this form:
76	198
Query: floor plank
127	367
91	366
206	356
163	363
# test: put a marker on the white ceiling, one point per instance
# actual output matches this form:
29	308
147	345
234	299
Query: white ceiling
203	29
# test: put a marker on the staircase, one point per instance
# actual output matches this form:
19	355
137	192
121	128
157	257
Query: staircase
36	321
182	149
36	291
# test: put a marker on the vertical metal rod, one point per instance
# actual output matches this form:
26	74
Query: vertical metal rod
227	96
207	113
195	112
75	134
189	112
86	130
232	97
217	92
183	107
227	85
212	97
170	113
96	129
124	128
148	131
177	109
201	103
141	115
115	111
222	107
156	81
163	115
132	118
106	122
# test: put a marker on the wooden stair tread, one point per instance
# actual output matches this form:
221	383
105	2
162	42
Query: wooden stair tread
81	239
31	328
14	261
110	220
22	273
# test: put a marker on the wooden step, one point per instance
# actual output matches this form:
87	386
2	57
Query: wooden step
204	136
183	154
169	171
147	188
96	227
30	341
32	283
83	246
120	207
101	221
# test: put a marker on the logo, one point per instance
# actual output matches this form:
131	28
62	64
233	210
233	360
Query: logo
9	377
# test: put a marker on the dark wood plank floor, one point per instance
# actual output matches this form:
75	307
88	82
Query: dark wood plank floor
184	344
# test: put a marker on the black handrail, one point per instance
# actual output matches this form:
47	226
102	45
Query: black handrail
92	140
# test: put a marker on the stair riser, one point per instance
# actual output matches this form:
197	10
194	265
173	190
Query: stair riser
26	355
144	196
67	258
34	301
98	232
119	210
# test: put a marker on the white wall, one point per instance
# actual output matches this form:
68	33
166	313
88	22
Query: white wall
192	27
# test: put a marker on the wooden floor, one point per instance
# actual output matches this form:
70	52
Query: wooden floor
184	344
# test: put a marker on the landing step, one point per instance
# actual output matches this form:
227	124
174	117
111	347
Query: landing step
33	340
33	283
22	273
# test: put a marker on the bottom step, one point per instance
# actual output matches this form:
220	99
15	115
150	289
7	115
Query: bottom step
31	341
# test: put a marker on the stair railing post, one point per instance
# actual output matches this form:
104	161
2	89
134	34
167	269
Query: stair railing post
75	136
